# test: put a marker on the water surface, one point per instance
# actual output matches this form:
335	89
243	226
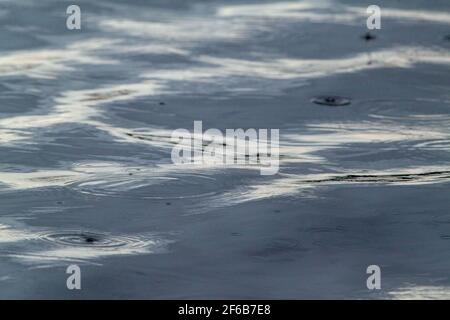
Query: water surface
86	175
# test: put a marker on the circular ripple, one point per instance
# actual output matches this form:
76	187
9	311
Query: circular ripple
334	101
416	110
92	239
140	186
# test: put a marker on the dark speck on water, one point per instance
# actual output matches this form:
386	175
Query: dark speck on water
369	37
89	239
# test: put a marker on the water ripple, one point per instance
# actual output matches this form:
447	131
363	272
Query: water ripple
31	245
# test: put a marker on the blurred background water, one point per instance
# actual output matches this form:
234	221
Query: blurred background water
86	175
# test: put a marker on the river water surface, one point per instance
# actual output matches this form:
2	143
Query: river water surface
86	175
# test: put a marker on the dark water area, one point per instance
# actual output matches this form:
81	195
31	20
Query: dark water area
86	175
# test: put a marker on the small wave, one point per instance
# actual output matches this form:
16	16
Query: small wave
295	185
388	178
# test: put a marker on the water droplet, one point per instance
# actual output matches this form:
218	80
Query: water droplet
90	239
369	37
334	101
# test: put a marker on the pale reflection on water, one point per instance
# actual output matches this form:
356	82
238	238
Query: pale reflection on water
421	293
